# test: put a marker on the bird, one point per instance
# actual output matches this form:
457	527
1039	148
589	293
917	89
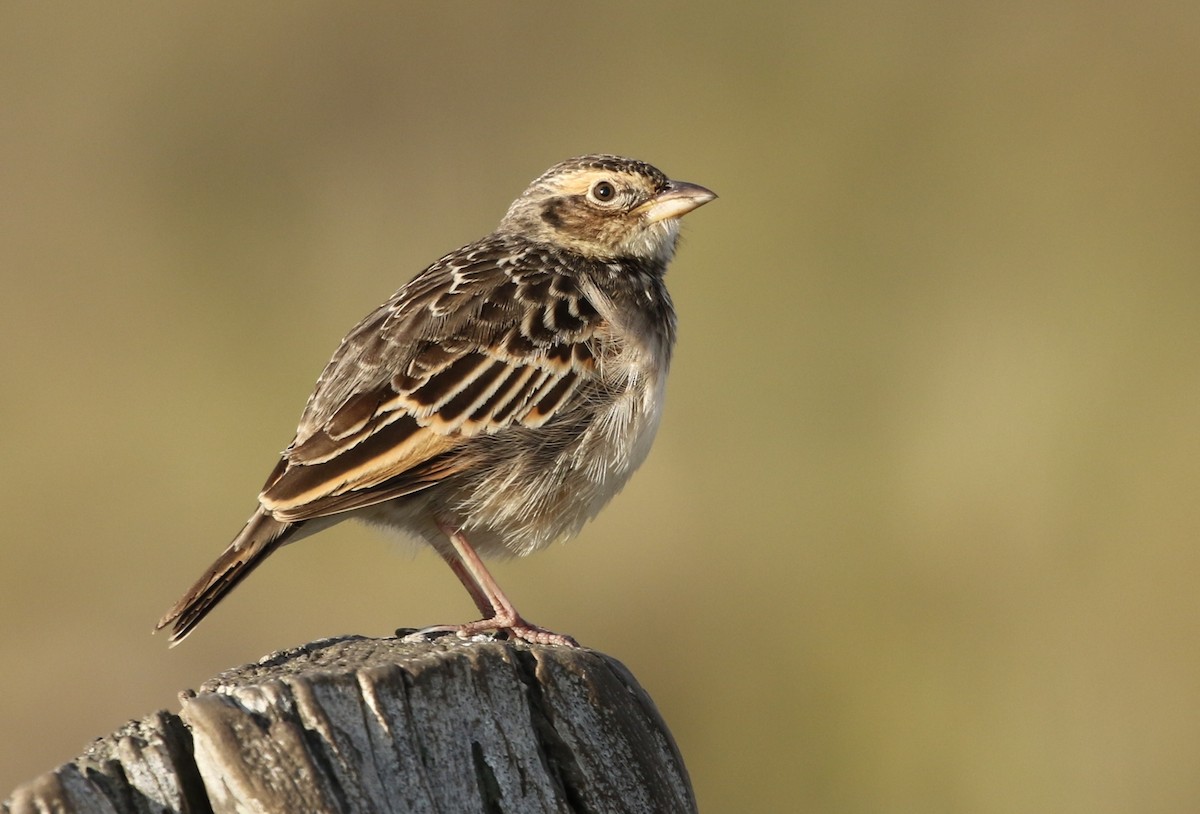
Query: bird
497	401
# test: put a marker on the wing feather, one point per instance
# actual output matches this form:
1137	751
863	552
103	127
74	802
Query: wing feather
490	337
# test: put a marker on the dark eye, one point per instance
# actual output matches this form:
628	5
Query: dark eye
603	191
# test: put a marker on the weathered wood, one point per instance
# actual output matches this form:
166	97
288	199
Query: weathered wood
381	725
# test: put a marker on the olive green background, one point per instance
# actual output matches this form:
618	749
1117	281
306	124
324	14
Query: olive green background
919	533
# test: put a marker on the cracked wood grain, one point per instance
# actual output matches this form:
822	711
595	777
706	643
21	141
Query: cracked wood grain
379	725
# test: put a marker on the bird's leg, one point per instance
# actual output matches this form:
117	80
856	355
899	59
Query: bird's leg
481	600
498	612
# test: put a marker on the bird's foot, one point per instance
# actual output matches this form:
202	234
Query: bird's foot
513	627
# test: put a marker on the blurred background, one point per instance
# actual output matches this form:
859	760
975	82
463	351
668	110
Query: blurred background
919	531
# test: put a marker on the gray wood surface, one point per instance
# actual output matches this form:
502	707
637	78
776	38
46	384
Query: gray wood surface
380	725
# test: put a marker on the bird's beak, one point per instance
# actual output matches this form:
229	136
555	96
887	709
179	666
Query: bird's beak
675	201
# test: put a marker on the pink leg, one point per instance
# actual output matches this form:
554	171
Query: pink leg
498	612
481	601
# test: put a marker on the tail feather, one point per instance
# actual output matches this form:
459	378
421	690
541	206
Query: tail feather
261	535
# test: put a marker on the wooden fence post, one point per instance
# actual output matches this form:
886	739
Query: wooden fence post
379	725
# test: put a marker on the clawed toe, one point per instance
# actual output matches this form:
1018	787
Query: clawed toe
539	635
416	636
513	629
516	628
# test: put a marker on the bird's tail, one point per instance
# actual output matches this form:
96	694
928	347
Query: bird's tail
261	535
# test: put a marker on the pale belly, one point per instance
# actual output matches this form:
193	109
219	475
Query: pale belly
526	490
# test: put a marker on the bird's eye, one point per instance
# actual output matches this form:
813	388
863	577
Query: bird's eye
603	192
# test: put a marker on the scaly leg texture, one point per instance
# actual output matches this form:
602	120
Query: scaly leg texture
498	612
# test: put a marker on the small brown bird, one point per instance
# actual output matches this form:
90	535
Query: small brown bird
501	397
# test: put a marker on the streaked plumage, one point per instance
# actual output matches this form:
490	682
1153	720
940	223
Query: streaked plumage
501	397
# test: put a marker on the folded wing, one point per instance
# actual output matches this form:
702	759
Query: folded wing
488	338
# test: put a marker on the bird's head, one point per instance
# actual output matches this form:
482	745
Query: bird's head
605	206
